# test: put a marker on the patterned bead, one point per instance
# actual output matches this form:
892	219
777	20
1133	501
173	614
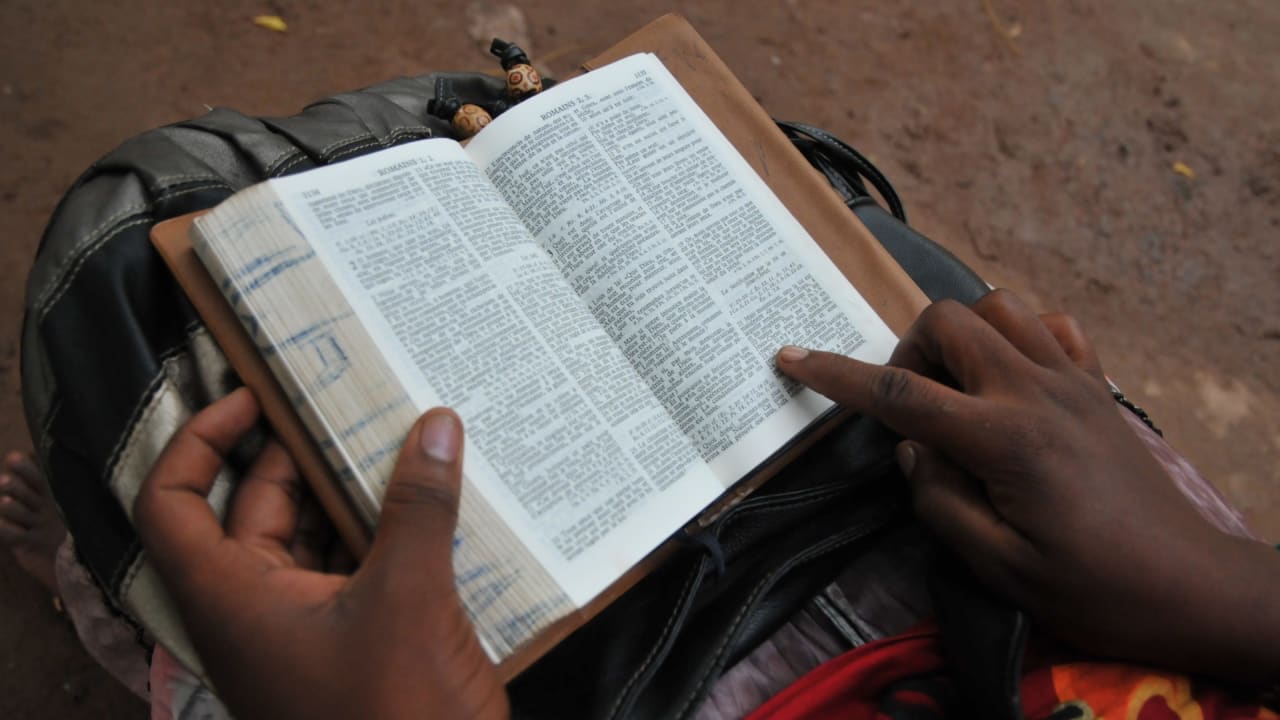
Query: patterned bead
522	81
470	119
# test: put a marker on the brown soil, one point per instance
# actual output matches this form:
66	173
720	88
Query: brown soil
1046	160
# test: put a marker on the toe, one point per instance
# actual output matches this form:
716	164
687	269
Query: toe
15	487
16	514
10	534
23	466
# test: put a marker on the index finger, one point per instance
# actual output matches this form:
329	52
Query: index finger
912	405
171	511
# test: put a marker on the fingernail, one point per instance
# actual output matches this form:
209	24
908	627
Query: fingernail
439	437
792	353
906	453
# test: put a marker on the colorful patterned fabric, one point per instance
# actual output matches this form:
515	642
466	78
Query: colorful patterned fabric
1086	690
904	678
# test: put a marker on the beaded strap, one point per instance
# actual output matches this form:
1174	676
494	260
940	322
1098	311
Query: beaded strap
1133	408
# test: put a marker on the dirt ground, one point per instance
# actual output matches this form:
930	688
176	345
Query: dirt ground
1118	160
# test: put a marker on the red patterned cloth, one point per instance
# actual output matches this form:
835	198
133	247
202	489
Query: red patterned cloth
904	677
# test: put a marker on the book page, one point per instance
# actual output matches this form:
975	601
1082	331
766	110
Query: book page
564	440
688	260
356	408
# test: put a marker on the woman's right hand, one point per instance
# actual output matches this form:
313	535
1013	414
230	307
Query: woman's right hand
280	637
1019	459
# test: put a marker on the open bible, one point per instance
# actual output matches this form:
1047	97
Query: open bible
597	283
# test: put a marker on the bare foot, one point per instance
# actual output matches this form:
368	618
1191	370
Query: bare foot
29	522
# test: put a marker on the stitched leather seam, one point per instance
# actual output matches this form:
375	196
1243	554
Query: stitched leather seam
142	407
760	587
90	248
281	157
344	152
143	410
126	446
101	228
53	295
121	584
108	602
46	440
356	143
170	194
833	490
342	141
807	500
88	251
301	156
648	660
742	611
753	504
787	504
754	513
145	405
366	141
804	499
171	180
410	129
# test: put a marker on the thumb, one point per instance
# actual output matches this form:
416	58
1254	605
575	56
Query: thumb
414	539
955	507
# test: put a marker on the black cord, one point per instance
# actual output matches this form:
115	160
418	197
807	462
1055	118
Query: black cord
839	155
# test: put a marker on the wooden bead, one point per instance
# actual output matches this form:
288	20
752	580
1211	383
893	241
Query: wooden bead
470	119
522	81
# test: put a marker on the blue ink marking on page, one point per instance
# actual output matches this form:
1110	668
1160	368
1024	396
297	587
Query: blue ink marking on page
253	265
485	596
251	325
306	332
244	224
367	420
333	360
279	206
474	574
375	457
234	299
516	628
275	271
